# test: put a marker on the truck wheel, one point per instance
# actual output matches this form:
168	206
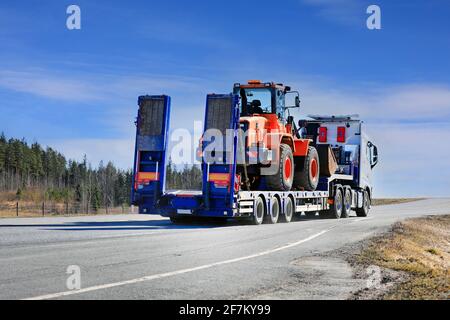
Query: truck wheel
336	208
283	179
347	203
307	177
274	212
289	210
364	211
259	211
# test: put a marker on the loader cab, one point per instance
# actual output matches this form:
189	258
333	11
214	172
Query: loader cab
262	98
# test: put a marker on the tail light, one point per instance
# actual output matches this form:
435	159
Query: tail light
219	179
237	183
341	134
323	133
144	178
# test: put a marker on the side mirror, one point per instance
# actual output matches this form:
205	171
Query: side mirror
297	102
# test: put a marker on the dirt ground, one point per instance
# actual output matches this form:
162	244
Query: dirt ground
382	202
414	258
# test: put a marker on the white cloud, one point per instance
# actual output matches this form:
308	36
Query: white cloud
418	101
414	159
342	11
94	87
39	83
415	102
119	151
183	33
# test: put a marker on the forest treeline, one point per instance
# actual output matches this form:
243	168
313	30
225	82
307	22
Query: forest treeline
45	171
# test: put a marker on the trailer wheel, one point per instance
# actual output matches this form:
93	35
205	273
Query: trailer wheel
283	179
274	212
259	211
364	211
289	210
335	211
347	203
307	175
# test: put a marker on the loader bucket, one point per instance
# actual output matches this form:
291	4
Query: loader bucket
328	163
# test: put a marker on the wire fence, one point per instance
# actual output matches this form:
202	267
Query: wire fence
23	209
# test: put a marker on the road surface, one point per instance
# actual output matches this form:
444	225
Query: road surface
145	257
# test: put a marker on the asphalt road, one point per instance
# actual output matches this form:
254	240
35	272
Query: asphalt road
145	257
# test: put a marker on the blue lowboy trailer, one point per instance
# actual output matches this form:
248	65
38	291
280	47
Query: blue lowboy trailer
224	195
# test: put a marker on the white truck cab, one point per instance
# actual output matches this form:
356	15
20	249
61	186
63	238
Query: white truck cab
356	155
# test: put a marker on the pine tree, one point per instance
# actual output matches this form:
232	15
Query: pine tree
2	152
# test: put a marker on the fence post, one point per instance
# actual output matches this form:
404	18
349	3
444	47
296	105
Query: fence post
17	208
67	207
43	208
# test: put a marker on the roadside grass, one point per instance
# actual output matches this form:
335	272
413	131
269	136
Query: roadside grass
28	209
36	214
382	202
419	247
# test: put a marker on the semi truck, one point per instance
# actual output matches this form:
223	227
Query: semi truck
256	163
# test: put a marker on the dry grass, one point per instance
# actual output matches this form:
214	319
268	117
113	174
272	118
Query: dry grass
34	209
382	202
34	213
421	248
30	205
29	195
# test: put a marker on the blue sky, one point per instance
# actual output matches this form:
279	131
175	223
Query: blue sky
76	90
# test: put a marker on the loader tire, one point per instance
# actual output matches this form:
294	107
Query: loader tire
307	176
283	179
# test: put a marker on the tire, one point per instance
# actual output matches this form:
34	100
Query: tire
259	211
273	214
307	176
347	203
335	212
289	210
364	211
283	179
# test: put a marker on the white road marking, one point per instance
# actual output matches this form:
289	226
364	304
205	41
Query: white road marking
174	273
361	219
